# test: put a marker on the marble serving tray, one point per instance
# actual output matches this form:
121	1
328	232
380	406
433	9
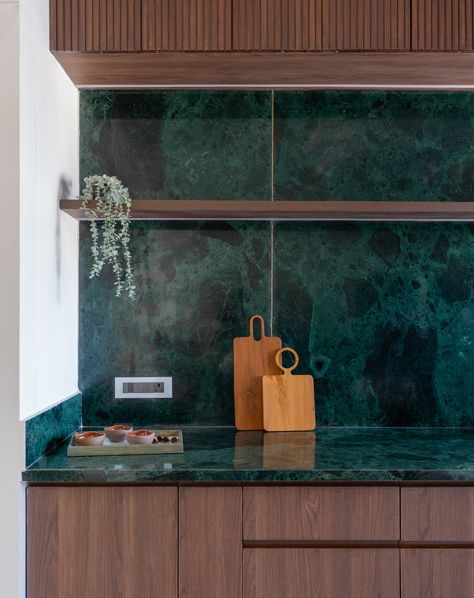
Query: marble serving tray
123	448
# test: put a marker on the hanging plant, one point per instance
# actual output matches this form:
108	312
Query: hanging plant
110	237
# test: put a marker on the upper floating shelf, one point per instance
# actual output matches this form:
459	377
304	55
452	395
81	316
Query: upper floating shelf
152	209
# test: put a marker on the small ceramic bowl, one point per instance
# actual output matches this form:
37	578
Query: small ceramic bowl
89	438
117	432
141	437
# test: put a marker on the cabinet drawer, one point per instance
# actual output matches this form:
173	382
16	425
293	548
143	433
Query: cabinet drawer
321	513
438	514
437	573
321	573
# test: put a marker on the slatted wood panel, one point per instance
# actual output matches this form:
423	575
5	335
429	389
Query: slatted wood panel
301	25
95	25
443	25
187	25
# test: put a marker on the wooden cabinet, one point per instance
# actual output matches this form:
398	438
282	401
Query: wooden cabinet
437	573
112	542
248	541
261	25
210	538
95	25
321	573
321	25
186	25
444	514
321	513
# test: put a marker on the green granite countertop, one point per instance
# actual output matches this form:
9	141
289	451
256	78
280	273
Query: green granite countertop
329	454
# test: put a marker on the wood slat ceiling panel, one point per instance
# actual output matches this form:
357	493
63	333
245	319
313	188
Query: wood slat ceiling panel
186	25
443	25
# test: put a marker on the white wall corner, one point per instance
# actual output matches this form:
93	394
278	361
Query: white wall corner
49	170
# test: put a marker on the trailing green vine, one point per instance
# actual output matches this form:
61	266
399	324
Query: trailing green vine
111	238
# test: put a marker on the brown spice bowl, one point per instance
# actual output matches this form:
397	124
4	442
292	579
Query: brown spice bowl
117	432
89	438
141	437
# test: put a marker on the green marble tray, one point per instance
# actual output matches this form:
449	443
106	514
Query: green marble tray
123	448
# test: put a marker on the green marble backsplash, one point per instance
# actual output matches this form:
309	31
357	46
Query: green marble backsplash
381	314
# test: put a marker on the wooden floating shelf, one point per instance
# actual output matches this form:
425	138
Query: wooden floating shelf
270	70
153	209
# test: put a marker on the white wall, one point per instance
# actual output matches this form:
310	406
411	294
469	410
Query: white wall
49	163
11	439
38	253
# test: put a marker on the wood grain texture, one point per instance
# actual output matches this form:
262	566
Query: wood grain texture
95	25
442	25
210	542
149	209
111	542
321	573
288	399
187	25
321	513
437	514
252	360
307	70
437	573
315	25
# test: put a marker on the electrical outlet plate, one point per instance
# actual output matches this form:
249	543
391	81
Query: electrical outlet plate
143	388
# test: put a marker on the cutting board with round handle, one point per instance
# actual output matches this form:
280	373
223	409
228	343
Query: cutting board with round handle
288	400
252	359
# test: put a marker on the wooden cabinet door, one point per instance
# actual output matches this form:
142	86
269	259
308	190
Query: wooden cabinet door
187	25
210	542
95	25
321	573
437	573
321	25
112	542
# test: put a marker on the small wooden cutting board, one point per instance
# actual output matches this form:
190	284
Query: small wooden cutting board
252	359
288	401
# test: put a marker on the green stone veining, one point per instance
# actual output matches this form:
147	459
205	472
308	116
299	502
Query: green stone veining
374	145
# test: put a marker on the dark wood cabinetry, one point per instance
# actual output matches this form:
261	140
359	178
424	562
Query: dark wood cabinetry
277	44
321	25
437	573
210	540
111	542
192	541
318	513
321	573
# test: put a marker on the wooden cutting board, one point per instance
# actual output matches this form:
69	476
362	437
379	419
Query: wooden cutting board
288	400
252	359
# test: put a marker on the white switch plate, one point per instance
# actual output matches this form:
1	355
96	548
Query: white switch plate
165	383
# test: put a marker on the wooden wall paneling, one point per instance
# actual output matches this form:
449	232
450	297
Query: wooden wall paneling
356	25
53	24
437	573
317	513
101	541
341	572
210	542
271	25
437	514
187	25
442	25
